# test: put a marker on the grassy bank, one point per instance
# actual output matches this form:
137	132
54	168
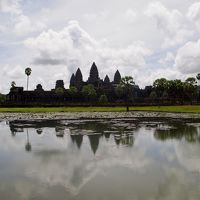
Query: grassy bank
189	109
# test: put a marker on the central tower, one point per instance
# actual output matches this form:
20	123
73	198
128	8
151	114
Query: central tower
94	74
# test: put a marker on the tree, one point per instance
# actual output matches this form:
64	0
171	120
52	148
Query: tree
28	71
119	91
103	99
160	85
153	95
2	98
127	84
59	91
89	92
190	86
28	144
73	91
175	89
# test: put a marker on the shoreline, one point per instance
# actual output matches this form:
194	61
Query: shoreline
8	116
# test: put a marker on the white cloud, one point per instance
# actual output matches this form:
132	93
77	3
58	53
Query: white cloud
10	6
194	14
24	25
169	58
2	29
130	15
170	22
74	47
95	16
188	58
165	24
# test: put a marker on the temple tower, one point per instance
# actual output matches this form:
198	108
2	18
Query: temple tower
94	74
72	80
59	84
78	79
106	80
117	77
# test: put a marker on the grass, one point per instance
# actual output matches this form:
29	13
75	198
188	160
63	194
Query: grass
187	109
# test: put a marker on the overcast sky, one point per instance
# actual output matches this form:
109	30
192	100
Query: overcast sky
145	39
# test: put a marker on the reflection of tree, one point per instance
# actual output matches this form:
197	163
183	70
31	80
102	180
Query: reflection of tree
28	144
188	133
39	131
94	142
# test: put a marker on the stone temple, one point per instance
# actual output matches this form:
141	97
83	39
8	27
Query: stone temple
59	94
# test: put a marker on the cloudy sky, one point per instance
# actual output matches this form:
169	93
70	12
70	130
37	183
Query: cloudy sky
145	39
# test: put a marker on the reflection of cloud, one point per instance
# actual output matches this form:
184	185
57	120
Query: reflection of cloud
73	169
57	168
188	156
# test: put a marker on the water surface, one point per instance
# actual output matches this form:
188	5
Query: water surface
99	160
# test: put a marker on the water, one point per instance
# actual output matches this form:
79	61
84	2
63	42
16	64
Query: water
99	160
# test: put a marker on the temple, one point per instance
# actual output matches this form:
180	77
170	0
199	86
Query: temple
74	94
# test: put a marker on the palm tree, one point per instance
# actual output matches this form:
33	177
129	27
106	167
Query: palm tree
28	71
28	144
127	84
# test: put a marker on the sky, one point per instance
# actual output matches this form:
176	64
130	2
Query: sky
144	39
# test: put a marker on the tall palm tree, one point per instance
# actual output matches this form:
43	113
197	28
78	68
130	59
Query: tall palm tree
28	71
28	144
127	84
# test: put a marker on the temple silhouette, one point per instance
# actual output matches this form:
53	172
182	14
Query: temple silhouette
59	94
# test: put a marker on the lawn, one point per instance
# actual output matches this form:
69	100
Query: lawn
189	108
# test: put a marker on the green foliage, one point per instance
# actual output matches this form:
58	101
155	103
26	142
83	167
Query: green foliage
153	95
160	84
89	92
73	90
28	71
165	94
59	91
103	99
175	88
2	98
127	84
119	91
191	81
190	87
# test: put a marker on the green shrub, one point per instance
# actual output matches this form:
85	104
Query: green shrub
103	99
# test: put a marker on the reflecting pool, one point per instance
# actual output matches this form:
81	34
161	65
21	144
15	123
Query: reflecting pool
99	160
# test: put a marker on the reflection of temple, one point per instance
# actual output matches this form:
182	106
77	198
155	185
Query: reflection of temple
94	142
78	139
94	131
60	131
124	138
